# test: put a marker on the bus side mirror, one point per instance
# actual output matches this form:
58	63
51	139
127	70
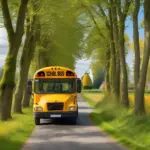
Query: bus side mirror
79	86
29	87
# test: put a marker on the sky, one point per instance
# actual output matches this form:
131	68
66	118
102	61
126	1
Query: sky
82	65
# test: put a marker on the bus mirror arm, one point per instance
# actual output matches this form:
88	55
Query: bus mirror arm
79	86
29	86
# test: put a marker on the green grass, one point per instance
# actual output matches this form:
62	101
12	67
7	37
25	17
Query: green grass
93	90
15	132
120	123
147	92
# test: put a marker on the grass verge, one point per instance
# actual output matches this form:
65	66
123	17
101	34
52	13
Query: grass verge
120	123
14	133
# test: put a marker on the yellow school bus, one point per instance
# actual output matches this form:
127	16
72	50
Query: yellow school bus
55	90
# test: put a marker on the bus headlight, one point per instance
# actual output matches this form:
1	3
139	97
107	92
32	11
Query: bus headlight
72	108
38	109
72	100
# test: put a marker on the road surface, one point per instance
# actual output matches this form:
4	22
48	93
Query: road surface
84	135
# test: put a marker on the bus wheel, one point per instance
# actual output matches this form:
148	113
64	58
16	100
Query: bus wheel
37	121
74	121
77	113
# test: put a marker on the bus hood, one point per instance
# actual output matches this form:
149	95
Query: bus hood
55	98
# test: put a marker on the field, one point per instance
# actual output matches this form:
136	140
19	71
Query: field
147	99
13	133
97	96
94	97
120	123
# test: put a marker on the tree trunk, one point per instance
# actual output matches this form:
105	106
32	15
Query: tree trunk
118	74
139	94
136	42
122	13
117	54
26	58
107	69
27	95
23	73
137	52
26	99
20	89
113	54
21	86
124	85
23	76
24	69
14	38
7	86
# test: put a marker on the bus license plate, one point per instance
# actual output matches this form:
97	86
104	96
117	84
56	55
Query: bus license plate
55	116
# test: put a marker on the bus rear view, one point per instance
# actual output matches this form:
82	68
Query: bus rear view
55	94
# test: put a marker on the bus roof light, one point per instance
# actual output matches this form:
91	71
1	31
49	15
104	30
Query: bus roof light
41	74
69	73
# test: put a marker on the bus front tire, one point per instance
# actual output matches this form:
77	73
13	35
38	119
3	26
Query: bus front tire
73	121
37	121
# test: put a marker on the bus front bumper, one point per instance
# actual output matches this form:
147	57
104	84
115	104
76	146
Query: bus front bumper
55	115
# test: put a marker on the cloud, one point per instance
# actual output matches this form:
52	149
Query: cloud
3	37
2	59
2	56
3	32
3	50
82	66
3	42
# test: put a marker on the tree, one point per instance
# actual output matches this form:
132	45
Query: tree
136	42
61	37
98	42
115	47
15	39
122	12
98	75
1	72
140	88
32	36
27	95
112	70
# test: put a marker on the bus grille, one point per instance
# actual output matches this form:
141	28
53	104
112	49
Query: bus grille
55	106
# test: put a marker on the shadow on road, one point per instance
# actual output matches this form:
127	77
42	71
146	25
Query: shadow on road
84	107
66	137
83	120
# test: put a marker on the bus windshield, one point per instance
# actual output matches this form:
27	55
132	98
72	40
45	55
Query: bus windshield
50	86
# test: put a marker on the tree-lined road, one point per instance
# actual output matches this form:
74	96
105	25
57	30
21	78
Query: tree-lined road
84	135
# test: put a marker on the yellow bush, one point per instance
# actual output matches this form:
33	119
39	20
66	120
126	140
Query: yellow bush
86	81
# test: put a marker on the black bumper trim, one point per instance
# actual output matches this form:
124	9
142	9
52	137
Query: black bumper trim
48	114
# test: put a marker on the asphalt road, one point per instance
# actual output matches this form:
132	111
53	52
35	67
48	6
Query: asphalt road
62	136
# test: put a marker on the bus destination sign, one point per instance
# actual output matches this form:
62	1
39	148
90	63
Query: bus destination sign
55	73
